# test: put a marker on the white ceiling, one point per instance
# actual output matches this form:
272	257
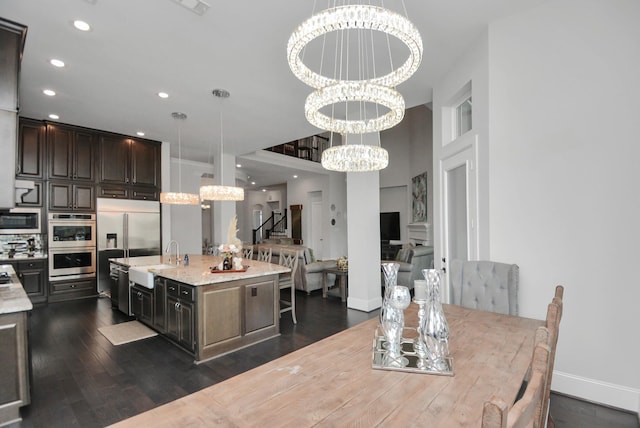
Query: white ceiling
137	48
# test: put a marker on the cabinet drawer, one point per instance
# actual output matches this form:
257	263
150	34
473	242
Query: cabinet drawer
181	291
60	287
31	265
145	194
117	192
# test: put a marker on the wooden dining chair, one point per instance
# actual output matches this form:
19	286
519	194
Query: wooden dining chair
247	252
264	254
528	411
289	259
554	315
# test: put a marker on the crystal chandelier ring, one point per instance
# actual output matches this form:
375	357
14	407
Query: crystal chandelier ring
355	158
354	92
355	17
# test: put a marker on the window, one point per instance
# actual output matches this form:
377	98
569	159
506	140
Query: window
463	117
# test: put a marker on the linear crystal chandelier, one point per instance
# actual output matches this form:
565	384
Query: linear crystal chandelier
345	92
220	192
179	198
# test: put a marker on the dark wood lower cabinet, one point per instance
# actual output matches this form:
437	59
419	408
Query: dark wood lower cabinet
180	314
33	276
14	370
142	304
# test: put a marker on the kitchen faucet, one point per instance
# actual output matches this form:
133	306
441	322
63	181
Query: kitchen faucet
173	241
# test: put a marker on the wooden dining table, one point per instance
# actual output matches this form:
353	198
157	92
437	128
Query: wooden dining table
332	383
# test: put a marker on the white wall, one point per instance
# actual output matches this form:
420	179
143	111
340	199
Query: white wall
564	148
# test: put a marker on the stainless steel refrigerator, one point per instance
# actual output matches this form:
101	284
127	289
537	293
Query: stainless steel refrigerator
126	228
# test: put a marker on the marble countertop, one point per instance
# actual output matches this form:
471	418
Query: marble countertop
13	298
198	272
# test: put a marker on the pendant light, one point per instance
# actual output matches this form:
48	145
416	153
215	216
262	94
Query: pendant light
179	198
358	88
221	192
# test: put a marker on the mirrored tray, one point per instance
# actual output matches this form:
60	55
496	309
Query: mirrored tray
408	360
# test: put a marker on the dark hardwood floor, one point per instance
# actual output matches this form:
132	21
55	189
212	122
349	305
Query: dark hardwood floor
81	380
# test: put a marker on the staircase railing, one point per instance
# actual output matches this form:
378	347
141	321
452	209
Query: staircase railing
277	227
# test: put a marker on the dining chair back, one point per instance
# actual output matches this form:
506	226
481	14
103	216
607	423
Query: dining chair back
264	254
554	315
247	252
289	259
484	285
528	411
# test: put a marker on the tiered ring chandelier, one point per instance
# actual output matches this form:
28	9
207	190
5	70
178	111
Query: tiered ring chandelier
220	192
179	198
366	89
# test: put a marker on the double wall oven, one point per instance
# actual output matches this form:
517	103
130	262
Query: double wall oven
72	246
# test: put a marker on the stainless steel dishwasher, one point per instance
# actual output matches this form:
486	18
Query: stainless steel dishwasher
120	285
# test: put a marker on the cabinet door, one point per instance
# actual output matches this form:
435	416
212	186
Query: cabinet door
114	159
83	197
60	141
172	317
145	163
84	155
30	154
60	197
14	354
259	306
33	282
186	328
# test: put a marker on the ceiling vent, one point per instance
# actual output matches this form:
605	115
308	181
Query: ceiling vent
196	6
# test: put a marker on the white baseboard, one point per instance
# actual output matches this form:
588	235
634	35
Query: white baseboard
597	391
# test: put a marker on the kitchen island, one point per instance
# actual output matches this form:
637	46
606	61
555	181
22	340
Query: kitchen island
207	314
14	348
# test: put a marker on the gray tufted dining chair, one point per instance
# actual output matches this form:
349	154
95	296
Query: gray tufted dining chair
484	285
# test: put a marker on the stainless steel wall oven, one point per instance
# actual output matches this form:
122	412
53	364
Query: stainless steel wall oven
72	246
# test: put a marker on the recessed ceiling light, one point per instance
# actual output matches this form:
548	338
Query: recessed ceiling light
49	92
253	182
54	116
163	95
140	134
57	63
295	176
81	25
238	165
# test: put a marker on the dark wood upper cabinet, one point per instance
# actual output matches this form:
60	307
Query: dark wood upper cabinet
67	196
128	161
30	154
145	163
114	158
72	153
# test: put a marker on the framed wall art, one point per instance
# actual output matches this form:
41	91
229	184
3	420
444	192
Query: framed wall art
419	198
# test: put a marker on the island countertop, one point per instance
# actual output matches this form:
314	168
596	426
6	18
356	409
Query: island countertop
198	271
13	298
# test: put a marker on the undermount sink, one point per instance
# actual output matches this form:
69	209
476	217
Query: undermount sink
143	275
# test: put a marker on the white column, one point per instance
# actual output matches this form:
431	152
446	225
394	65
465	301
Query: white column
363	224
223	211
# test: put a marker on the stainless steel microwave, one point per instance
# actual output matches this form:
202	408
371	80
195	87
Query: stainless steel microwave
20	221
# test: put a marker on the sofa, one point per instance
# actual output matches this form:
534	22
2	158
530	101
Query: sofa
412	260
309	275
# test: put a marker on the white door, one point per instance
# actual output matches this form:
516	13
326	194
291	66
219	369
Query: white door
316	225
459	209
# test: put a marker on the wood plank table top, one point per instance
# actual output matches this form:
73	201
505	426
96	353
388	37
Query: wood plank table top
331	382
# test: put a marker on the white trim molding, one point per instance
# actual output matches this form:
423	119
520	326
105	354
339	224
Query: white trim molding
597	391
